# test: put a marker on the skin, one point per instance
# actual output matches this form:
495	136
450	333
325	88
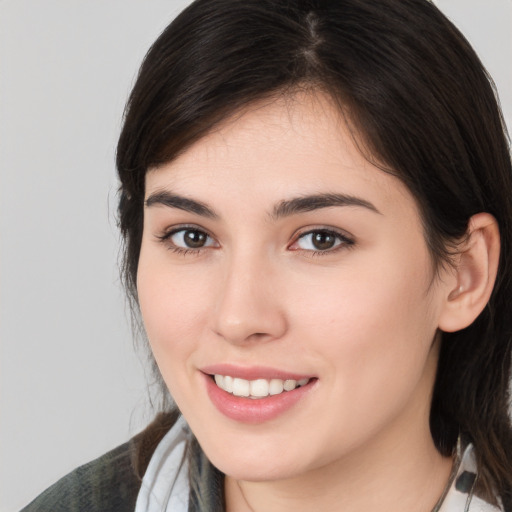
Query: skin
362	316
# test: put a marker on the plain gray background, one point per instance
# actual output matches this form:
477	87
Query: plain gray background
71	384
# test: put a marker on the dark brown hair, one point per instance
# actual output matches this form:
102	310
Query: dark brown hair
424	106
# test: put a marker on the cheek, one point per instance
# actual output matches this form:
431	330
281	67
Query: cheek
373	293
171	309
173	304
374	327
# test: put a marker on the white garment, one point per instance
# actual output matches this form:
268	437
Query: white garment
165	486
460	498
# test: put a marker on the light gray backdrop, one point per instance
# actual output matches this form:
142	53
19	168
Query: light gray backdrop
71	386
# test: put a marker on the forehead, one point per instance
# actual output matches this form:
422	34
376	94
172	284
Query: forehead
275	149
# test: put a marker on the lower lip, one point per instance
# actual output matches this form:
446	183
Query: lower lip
259	410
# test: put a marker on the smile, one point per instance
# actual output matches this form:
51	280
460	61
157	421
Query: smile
256	389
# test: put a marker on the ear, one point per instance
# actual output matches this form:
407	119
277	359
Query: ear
475	273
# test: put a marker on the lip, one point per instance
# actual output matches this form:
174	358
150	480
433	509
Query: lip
252	372
254	411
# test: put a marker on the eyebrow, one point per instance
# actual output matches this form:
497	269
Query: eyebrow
165	198
318	201
284	208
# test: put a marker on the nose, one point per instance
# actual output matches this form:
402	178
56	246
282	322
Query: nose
250	304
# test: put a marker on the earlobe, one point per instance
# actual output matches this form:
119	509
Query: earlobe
475	274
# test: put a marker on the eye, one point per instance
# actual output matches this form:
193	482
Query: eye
321	240
188	239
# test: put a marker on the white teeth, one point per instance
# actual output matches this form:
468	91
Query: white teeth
241	387
258	388
290	384
276	387
228	384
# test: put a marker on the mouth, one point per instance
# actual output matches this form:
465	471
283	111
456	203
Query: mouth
258	388
255	395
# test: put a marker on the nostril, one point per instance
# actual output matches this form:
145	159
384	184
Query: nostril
258	335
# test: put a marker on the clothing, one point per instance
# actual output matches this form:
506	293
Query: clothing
460	496
166	485
162	454
110	483
113	482
107	484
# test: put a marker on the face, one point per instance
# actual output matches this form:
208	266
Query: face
288	294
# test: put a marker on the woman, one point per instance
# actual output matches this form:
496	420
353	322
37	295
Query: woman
315	204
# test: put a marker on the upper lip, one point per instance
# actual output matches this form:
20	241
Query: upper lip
252	372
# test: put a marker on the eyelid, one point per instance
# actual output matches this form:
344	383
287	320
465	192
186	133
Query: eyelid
168	233
346	240
175	228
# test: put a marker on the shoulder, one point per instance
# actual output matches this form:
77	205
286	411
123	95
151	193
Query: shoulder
110	483
107	483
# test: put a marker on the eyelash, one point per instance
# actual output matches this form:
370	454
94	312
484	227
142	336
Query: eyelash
165	238
343	241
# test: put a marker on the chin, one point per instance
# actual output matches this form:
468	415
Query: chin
249	462
256	471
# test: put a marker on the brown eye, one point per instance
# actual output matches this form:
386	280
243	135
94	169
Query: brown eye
194	239
321	240
191	239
